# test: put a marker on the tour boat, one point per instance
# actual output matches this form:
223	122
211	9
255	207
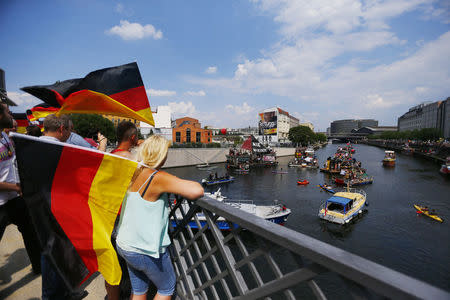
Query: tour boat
276	213
445	168
226	179
389	158
342	207
425	211
355	182
302	182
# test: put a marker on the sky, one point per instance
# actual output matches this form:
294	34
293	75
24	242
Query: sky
223	62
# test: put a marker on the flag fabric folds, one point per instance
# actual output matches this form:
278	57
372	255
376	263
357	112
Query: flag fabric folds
74	195
22	122
115	91
40	111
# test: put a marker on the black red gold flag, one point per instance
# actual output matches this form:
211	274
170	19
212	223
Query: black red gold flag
112	91
73	195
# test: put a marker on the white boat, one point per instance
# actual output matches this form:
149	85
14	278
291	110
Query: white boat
276	213
342	207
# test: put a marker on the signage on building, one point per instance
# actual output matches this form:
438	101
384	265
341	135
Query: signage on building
268	123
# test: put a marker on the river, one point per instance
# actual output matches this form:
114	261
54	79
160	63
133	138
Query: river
390	233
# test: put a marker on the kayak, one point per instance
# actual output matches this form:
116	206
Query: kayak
303	182
424	211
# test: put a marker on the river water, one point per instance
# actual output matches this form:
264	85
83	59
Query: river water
390	233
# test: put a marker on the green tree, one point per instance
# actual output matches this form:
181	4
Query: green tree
301	135
321	137
88	125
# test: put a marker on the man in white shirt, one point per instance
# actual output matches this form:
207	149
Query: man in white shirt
12	206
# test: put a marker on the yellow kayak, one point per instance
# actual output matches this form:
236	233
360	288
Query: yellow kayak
425	211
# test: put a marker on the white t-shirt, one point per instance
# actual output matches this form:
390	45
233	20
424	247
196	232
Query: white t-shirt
8	168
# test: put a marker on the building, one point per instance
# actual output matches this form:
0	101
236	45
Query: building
274	125
188	130
163	123
349	125
375	130
307	124
116	120
427	115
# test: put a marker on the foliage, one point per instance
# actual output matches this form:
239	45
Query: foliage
88	125
301	135
424	134
321	137
237	140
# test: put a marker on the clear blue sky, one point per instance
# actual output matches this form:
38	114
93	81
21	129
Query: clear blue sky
224	61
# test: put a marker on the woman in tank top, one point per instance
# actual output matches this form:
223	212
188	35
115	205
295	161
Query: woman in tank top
142	237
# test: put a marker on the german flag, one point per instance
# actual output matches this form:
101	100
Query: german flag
74	195
22	122
115	91
40	111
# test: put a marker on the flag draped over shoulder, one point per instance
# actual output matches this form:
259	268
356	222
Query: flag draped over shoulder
74	195
115	91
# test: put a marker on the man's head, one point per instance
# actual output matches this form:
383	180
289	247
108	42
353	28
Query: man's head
127	131
6	120
58	127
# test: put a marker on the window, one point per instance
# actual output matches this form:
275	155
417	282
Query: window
177	136
198	137
188	135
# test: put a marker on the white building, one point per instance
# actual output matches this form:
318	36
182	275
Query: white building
163	123
307	124
274	125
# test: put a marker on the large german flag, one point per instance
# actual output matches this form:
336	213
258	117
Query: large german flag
74	195
115	91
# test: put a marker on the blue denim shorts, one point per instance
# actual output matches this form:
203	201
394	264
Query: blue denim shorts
144	268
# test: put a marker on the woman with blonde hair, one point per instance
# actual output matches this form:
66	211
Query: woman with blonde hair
142	237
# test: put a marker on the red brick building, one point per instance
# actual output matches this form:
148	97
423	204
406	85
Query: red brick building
189	130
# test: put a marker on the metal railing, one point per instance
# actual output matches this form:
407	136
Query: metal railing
259	259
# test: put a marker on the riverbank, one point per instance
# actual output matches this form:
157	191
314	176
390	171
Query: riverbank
432	152
183	157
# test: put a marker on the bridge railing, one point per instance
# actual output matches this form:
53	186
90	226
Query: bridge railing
259	259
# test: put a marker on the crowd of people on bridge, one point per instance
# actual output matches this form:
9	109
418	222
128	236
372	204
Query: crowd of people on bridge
140	236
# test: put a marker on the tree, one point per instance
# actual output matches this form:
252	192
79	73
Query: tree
301	135
88	125
321	137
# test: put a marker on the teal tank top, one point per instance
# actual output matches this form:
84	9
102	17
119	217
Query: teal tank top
143	225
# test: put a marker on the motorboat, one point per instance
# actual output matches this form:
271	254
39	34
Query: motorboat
326	188
445	168
302	182
389	158
342	207
220	180
276	213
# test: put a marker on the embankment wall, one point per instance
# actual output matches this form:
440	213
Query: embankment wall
194	156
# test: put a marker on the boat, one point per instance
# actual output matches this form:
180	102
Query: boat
326	188
241	171
354	182
445	168
226	179
205	167
276	213
302	182
425	211
389	158
342	207
407	150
